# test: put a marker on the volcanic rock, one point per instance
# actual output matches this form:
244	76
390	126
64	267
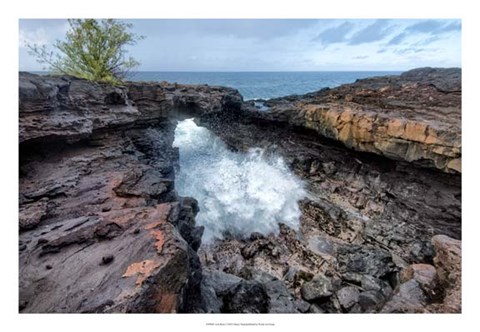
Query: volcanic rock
97	198
319	287
367	216
348	296
97	181
415	116
246	297
448	262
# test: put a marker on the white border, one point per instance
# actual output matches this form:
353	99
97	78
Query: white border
465	10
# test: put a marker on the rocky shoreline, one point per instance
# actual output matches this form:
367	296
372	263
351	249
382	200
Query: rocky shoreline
103	230
415	116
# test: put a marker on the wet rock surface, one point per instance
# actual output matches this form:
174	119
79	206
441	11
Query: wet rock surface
368	221
103	230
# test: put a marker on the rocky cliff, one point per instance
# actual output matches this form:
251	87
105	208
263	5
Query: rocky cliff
103	230
415	116
101	227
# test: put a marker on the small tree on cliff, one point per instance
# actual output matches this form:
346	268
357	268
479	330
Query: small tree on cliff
93	49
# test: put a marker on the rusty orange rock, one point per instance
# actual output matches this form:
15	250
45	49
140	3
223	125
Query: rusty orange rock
142	270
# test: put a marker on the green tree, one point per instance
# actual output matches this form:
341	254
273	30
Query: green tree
92	49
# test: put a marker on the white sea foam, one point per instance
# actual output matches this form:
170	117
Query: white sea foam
237	193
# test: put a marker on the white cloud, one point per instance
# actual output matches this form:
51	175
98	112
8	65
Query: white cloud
279	45
38	36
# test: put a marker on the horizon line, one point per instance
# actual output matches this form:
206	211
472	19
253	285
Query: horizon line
263	71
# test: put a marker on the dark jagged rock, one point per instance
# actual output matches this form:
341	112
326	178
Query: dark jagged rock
61	108
246	297
319	287
219	289
371	300
369	282
408	297
180	101
220	281
280	298
97	198
68	108
214	286
373	262
348	296
184	221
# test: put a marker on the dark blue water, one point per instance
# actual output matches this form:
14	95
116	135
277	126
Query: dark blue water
262	85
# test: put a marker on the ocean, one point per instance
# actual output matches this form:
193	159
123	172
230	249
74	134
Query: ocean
262	85
240	193
237	193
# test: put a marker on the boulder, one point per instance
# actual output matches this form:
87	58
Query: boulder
348	296
319	287
32	214
371	300
246	297
220	281
369	282
424	274
364	260
316	309
408	298
281	299
448	262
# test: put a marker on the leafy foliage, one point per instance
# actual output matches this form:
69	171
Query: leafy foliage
93	49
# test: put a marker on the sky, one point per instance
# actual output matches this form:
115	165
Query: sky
274	44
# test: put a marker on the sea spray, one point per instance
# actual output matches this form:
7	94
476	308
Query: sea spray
238	193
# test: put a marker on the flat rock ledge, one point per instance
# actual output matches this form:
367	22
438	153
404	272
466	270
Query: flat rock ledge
415	116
